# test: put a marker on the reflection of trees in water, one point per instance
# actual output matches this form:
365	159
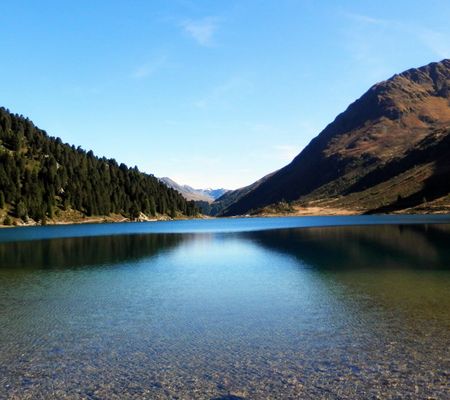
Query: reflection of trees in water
348	247
85	251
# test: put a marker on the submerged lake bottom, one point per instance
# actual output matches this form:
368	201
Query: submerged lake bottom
274	308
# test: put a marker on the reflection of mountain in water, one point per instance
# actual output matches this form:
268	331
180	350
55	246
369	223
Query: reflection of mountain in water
386	277
85	251
352	247
344	247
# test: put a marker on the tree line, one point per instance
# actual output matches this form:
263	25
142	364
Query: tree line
40	175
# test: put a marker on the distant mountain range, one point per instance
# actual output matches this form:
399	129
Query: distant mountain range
388	152
189	193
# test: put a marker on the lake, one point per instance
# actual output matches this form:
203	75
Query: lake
256	308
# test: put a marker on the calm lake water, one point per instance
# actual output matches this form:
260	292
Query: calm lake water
275	308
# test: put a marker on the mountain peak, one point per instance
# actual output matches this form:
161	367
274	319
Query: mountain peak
435	74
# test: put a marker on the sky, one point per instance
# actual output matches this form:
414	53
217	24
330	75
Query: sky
209	93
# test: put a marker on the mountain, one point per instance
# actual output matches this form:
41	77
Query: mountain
233	196
189	193
42	178
215	193
388	152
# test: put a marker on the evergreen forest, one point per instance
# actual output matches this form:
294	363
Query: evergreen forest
41	177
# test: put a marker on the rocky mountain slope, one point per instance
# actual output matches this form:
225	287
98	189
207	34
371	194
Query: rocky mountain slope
389	151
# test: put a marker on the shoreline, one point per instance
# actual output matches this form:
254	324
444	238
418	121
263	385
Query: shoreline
111	219
305	212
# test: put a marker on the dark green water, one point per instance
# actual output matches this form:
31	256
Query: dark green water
256	309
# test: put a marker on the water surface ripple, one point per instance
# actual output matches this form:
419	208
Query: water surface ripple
260	311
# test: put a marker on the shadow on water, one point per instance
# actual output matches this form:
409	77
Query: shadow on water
85	251
359	247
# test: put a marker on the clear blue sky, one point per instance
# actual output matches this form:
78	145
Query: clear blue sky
209	93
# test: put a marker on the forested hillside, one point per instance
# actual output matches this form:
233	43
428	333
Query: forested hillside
41	177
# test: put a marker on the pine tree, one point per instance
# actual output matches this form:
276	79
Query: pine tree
21	210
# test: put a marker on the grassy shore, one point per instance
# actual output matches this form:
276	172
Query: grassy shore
71	217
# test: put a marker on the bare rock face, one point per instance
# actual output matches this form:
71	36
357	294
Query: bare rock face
406	114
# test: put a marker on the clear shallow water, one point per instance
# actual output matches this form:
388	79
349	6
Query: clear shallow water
324	312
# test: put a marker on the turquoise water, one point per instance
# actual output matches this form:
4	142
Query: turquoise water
280	308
